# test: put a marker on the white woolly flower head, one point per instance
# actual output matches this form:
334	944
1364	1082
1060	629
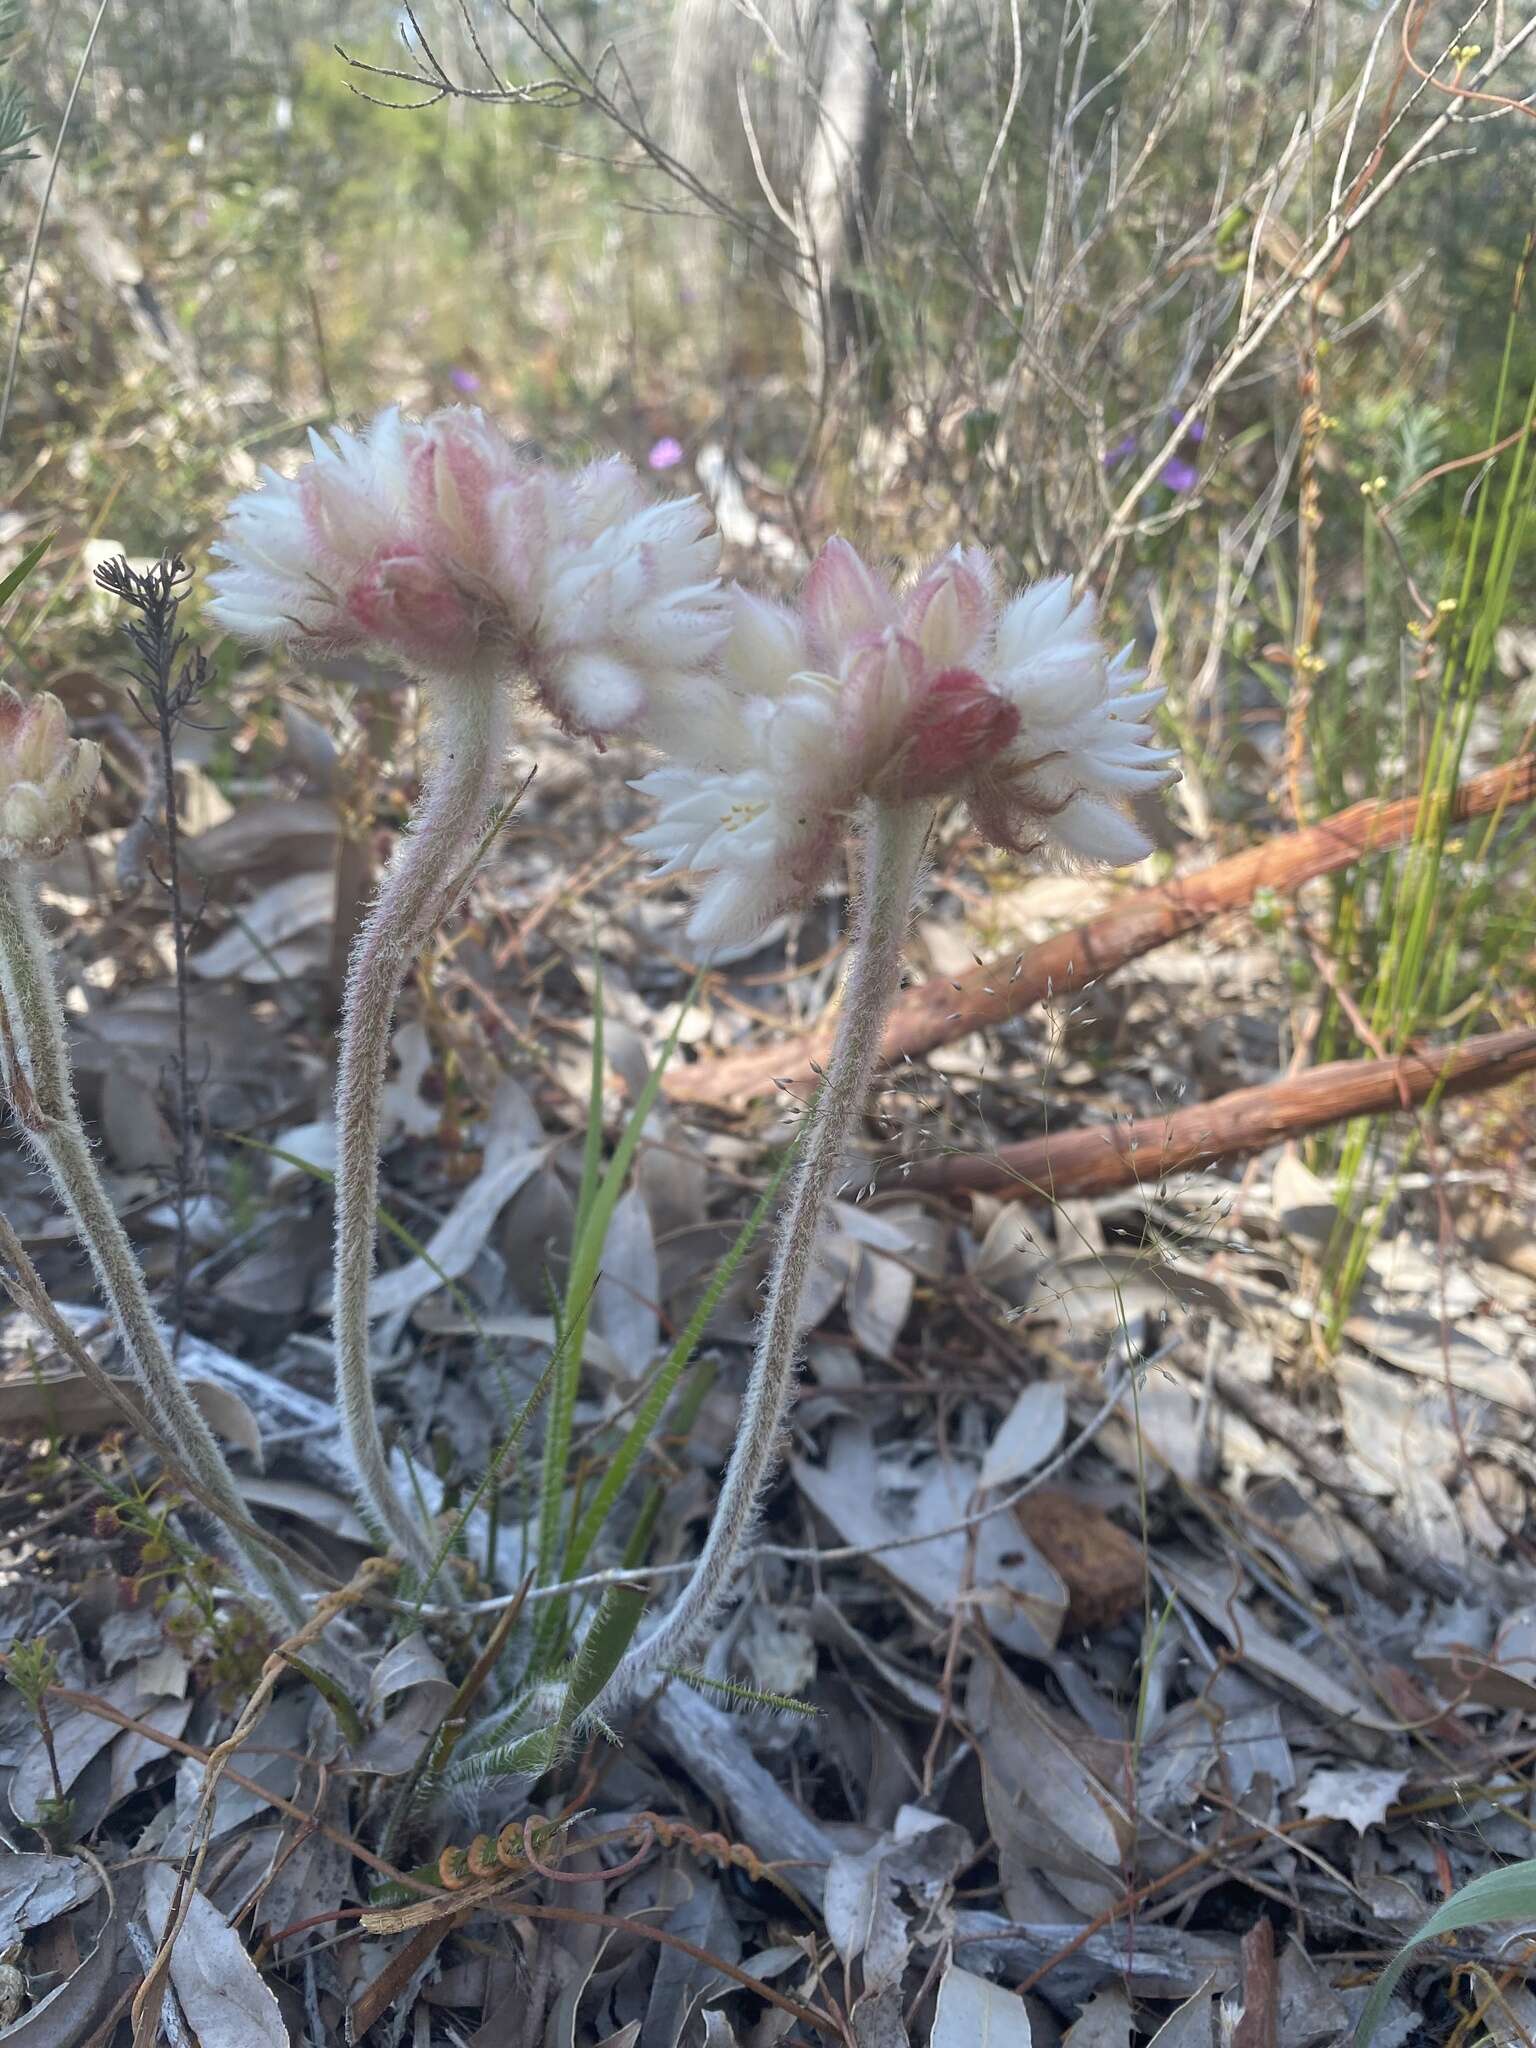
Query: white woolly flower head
1084	744
46	778
760	816
864	692
442	545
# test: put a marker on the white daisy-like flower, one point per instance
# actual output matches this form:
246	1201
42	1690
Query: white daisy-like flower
1084	746
441	545
758	811
867	693
46	778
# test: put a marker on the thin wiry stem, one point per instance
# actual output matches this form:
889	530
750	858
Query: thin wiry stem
472	729
14	357
41	1093
169	681
893	850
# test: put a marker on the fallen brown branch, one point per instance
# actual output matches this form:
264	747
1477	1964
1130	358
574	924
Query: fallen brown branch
942	1010
1111	1156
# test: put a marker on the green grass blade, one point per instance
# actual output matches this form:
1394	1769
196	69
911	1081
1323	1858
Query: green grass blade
659	1392
12	581
612	1632
592	1149
1508	1894
586	1262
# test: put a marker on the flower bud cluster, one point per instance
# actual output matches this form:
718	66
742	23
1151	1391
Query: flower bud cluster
46	778
861	692
443	546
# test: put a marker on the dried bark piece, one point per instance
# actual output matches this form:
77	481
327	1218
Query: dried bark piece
1100	1565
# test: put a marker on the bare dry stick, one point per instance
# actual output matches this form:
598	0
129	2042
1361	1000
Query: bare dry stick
942	1010
1098	1161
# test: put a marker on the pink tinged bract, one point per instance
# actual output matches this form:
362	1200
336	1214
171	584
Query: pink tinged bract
881	683
406	598
46	778
951	610
957	726
842	601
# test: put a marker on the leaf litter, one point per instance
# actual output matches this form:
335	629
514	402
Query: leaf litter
1078	1555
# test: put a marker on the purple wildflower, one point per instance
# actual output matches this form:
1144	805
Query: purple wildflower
666	453
464	380
1125	446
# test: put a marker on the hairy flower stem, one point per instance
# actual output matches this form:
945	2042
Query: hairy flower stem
42	1096
470	739
893	850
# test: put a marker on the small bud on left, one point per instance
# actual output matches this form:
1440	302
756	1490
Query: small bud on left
46	778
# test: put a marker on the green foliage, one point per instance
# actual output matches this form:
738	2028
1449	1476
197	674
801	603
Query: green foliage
1507	1894
1423	936
15	578
30	1668
16	124
597	1202
548	1699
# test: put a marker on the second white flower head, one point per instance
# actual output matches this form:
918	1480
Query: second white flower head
862	692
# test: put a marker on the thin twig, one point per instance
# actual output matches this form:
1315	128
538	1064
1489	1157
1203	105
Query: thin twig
42	217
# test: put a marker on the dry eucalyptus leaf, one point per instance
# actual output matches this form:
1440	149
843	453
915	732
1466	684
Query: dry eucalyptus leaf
1032	1773
1105	2021
313	1143
871	1498
62	2018
1312	2014
1210	1592
268	835
328	1512
973	2012
1111	1289
444	1320
831	1269
402	1105
879	1299
458	1240
862	1916
1011	1252
78	1736
169	1716
1356	1795
1422	1344
216	1984
36	1889
132	1122
1196	2024
406	1664
1303	1205
625	1301
1031	1432
272	939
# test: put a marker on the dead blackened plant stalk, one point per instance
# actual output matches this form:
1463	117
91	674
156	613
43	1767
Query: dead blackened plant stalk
170	681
